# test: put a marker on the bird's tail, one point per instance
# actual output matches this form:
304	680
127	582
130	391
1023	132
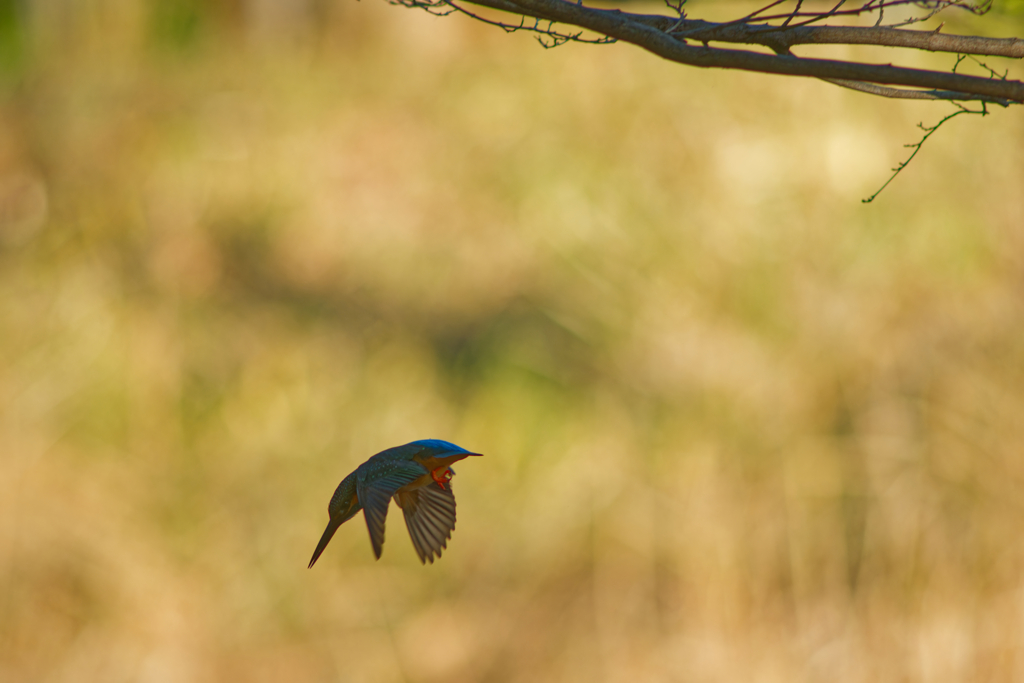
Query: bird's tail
332	526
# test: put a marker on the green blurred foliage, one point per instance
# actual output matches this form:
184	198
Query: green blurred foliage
179	23
12	36
1015	7
737	425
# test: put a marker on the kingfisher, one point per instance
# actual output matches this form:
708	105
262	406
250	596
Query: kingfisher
418	476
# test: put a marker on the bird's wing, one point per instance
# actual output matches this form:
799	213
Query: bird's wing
376	486
429	517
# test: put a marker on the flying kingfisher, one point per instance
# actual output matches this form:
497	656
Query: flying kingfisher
418	476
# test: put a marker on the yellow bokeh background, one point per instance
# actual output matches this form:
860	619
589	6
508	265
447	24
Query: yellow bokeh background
737	425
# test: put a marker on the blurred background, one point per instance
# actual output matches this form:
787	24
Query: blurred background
738	425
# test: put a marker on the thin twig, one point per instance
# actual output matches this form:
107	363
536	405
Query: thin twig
796	11
928	132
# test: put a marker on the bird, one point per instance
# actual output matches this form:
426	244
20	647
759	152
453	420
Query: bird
418	476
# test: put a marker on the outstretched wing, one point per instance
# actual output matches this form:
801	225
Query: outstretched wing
375	485
429	517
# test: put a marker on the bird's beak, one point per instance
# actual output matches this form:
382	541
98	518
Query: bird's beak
452	458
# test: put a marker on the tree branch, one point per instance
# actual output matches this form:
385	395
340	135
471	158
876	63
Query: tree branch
903	94
650	33
771	36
